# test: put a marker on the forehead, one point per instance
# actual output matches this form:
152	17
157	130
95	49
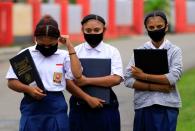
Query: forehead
156	20
46	38
93	23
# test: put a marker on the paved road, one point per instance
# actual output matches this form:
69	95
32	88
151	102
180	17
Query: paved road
9	100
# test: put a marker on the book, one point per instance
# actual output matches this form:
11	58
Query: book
151	61
25	69
97	68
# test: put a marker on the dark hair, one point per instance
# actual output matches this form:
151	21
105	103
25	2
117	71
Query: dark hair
93	17
155	13
47	26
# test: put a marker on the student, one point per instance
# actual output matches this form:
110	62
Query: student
156	100
95	115
46	111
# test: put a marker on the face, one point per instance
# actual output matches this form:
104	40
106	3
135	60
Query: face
46	41
47	45
93	27
155	23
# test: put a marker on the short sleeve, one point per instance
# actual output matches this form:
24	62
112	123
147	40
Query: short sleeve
67	68
10	74
116	66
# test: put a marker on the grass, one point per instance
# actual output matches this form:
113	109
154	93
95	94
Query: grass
186	86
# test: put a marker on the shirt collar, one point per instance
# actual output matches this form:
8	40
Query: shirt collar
97	48
151	46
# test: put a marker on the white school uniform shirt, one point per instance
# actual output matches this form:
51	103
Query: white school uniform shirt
51	69
104	51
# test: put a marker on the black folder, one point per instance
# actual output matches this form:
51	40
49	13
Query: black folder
97	68
25	69
151	61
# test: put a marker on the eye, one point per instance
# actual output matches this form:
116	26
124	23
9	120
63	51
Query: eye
97	30
159	26
151	28
87	30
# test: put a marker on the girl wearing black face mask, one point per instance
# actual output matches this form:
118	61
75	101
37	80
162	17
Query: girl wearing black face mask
102	69
157	99
47	111
93	32
156	27
45	48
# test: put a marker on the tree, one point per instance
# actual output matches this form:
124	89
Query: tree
151	5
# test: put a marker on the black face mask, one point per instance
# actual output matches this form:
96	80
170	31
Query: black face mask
93	39
157	35
47	51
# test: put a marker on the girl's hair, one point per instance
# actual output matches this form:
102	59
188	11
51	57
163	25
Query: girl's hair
155	13
93	17
47	26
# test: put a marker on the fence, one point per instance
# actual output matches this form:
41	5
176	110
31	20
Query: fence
123	17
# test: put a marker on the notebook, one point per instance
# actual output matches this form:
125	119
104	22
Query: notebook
97	68
151	61
25	69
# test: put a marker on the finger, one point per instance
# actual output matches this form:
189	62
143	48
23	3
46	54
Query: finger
133	67
38	89
40	94
62	40
100	105
133	70
136	68
36	96
102	101
65	36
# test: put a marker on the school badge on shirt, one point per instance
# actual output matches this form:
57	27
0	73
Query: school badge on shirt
57	77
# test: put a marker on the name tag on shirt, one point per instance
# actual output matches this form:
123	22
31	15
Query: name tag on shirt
57	77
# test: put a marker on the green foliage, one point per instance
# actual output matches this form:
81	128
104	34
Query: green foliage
151	5
45	1
21	1
72	1
186	86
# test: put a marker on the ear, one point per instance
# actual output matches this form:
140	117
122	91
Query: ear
35	40
167	28
104	30
82	29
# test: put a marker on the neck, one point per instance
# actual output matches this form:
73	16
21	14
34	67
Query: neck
157	44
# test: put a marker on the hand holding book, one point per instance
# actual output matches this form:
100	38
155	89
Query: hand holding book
36	93
25	69
95	102
138	73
